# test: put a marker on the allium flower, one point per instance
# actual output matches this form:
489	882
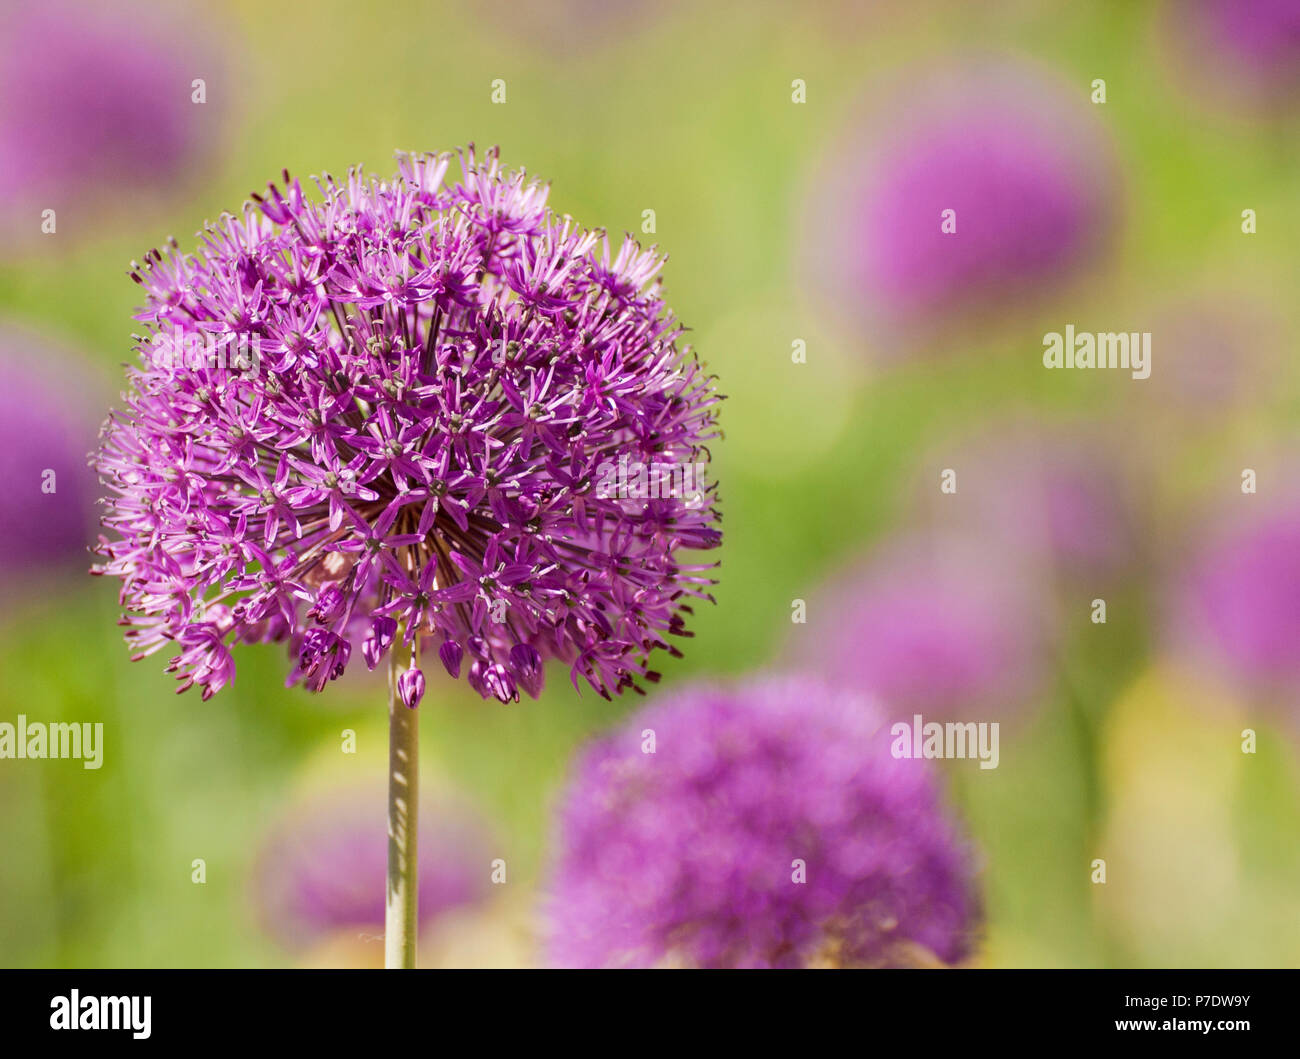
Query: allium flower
96	99
1239	603
1249	52
687	855
439	374
321	868
1045	498
1026	176
941	630
45	506
1265	32
1219	354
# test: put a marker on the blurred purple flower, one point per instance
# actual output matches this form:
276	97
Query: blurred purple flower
686	856
1265	32
97	100
45	427
1239	602
1021	165
322	867
1218	352
1247	50
942	630
1046	498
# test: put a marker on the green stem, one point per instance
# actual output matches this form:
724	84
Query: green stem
401	911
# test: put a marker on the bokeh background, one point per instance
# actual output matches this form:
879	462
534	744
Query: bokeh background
813	222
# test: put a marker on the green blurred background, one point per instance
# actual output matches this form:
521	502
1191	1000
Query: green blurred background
686	109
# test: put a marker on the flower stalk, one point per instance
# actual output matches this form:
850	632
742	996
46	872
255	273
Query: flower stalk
401	907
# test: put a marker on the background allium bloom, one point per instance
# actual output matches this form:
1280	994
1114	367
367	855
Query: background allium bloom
937	630
41	429
1250	50
1240	601
1219	352
96	100
322	868
1020	164
441	373
685	856
1048	499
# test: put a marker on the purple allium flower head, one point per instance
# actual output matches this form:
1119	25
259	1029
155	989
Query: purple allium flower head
1023	170
45	432
1266	32
1239	603
95	99
322	867
414	390
940	629
1246	49
687	855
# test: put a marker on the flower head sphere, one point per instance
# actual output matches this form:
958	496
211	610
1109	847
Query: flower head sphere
770	827
383	416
